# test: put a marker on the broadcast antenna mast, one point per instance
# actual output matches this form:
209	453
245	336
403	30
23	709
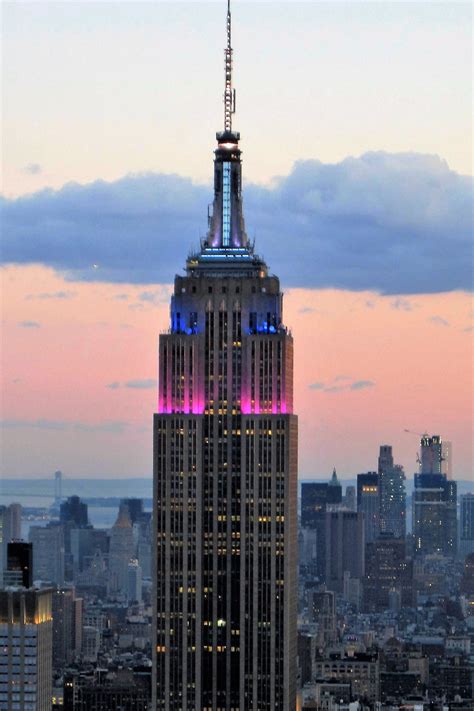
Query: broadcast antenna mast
229	94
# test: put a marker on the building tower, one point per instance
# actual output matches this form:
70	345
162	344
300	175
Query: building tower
121	551
392	494
368	503
225	471
434	502
27	652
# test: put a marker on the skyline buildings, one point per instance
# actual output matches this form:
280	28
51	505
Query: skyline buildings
225	470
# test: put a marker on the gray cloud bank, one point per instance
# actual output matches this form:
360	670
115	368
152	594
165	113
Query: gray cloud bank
395	223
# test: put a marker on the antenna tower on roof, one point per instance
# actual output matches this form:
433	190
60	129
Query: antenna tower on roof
229	94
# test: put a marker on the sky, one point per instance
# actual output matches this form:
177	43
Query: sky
356	130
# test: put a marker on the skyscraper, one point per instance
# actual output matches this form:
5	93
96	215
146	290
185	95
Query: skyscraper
121	551
26	649
48	553
345	547
434	502
368	503
316	497
392	494
466	525
225	471
19	564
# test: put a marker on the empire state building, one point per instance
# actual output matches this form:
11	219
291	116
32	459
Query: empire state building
225	471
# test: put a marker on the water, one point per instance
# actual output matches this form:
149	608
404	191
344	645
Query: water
39	494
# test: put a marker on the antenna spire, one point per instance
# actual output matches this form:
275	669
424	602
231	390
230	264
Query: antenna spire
229	94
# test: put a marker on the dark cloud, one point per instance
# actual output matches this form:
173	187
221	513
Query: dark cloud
113	386
29	324
33	168
396	223
144	384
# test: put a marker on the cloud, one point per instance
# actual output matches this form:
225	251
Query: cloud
439	321
333	388
158	296
113	386
402	305
145	384
44	424
29	324
362	384
33	169
306	310
120	297
395	223
52	295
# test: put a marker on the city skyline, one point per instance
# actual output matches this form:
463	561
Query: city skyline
86	401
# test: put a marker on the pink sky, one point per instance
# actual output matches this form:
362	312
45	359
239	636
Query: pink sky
65	342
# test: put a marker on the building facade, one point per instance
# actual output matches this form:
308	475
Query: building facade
392	494
27	652
368	503
434	502
225	472
466	525
345	548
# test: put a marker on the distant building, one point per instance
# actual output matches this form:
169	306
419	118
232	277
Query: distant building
48	553
345	547
392	494
10	530
447	459
387	570
121	551
466	525
368	503
19	564
26	645
431	455
324	614
360	670
350	498
434	502
134	588
435	515
75	511
135	508
65	619
100	689
85	542
315	499
90	643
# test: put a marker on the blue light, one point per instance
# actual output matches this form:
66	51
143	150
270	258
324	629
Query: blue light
226	204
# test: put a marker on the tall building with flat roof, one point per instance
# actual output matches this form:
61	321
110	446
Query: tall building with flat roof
345	547
26	644
225	472
466	525
392	494
368	503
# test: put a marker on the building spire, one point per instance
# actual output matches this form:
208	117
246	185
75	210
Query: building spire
229	93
